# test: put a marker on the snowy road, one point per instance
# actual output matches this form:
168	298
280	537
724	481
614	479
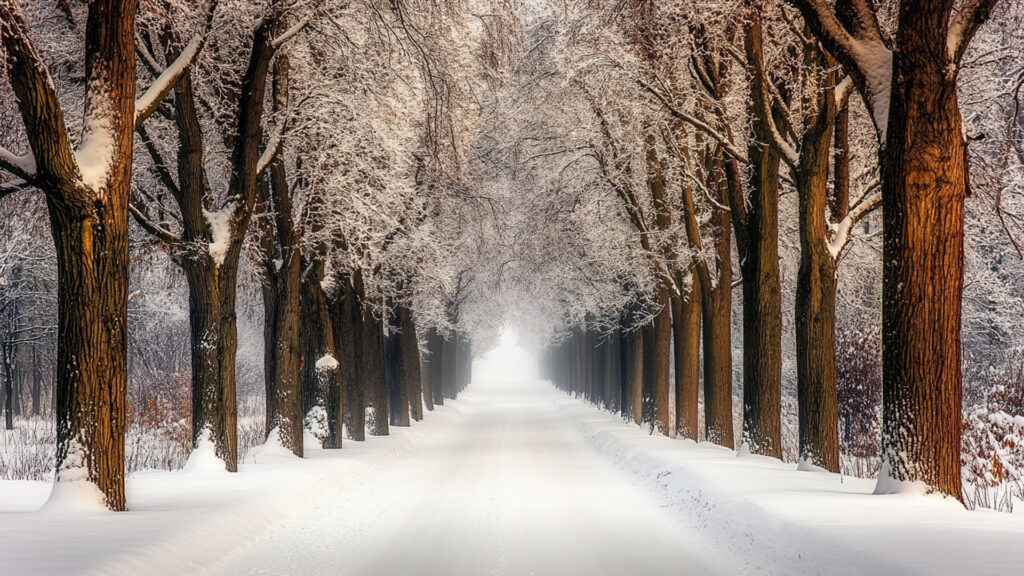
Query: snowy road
510	487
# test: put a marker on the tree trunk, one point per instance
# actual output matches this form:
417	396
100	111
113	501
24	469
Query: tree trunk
717	328
373	367
209	407
395	372
346	323
321	371
762	306
924	183
411	362
635	357
686	339
37	381
436	364
647	390
661	350
8	366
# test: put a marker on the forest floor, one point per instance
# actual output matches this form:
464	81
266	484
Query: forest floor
510	479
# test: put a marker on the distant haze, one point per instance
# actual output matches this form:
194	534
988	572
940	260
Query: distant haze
508	362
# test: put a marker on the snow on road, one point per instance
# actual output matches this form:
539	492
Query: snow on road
510	479
509	487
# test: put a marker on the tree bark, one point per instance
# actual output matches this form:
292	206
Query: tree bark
89	222
924	183
373	367
686	339
411	362
395	372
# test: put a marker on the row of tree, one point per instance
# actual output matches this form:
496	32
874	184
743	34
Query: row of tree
674	131
314	148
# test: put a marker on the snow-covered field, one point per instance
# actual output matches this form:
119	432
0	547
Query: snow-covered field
509	479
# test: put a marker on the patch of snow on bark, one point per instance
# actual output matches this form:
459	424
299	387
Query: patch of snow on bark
95	154
73	491
327	363
220	232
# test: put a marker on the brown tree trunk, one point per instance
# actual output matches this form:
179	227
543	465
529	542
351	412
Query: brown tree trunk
717	333
686	340
924	183
346	322
395	372
411	362
373	371
321	370
661	350
817	396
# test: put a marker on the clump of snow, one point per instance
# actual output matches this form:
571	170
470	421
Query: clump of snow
219	222
889	484
272	449
805	465
73	491
316	428
326	363
203	457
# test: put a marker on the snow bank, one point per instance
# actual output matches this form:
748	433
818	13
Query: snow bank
183	523
796	522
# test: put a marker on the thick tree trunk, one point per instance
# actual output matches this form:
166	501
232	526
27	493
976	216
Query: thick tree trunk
411	362
321	370
209	408
924	183
686	340
817	396
647	391
661	350
717	333
373	369
395	373
346	323
436	366
635	368
762	308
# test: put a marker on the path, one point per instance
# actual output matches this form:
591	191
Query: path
510	488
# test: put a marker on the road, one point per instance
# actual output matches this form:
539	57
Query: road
510	488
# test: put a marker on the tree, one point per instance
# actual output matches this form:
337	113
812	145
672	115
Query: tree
910	90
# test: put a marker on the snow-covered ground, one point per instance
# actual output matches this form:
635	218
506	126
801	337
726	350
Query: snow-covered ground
512	478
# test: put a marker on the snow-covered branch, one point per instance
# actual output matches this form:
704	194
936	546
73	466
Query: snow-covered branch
23	166
287	34
148	102
273	146
841	232
963	25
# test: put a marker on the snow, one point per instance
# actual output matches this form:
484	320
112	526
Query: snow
875	62
96	151
163	83
220	232
25	162
204	457
73	491
511	478
326	363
